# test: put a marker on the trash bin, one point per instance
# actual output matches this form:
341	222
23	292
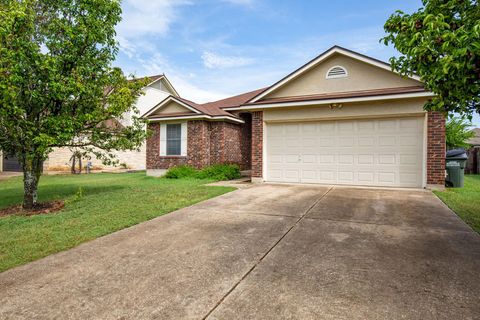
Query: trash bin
455	164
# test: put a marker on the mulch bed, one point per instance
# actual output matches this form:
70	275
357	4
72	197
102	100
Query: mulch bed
41	208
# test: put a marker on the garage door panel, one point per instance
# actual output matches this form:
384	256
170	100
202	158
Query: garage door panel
326	127
387	141
346	159
291	158
345	176
309	159
346	141
386	177
366	177
365	159
326	142
378	152
387	125
366	141
387	159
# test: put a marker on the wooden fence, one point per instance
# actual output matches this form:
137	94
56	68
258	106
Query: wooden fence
473	162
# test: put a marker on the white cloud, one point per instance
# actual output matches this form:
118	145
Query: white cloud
248	3
212	61
142	17
127	47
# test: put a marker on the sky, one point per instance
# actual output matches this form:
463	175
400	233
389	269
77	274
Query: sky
212	49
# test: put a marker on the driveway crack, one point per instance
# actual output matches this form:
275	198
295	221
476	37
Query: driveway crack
266	253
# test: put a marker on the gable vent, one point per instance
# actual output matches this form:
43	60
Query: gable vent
336	72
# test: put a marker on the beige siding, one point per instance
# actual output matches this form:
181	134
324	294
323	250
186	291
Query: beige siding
172	107
361	76
59	160
349	110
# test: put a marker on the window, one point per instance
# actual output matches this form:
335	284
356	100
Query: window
336	72
174	139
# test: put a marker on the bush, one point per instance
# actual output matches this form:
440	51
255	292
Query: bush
214	172
181	172
220	172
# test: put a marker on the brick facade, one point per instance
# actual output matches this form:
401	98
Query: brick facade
207	143
246	143
435	148
257	144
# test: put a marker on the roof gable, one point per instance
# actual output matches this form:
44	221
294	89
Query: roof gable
171	106
160	82
363	73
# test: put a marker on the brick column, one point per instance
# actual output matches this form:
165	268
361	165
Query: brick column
153	146
257	145
436	148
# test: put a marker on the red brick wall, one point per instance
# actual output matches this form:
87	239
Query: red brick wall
257	144
154	161
232	150
208	143
436	148
246	140
198	144
217	138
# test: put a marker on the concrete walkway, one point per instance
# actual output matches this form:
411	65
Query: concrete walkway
266	252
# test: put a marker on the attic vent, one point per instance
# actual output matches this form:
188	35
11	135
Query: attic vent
336	72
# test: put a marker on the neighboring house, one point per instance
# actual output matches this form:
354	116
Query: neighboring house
157	90
59	159
342	118
9	163
473	162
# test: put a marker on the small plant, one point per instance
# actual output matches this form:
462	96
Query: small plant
180	172
220	172
213	172
77	197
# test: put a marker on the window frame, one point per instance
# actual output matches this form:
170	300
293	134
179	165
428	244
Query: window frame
174	139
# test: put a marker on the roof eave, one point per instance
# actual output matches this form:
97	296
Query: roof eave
197	117
258	106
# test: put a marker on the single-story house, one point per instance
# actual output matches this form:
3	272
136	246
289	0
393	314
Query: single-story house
59	159
342	118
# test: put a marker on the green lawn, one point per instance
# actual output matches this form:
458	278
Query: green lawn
96	205
465	201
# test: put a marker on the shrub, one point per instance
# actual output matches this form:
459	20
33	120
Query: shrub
213	172
180	172
220	172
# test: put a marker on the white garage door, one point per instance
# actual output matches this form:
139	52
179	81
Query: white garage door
380	152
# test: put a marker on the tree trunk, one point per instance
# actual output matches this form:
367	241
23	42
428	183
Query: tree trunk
32	169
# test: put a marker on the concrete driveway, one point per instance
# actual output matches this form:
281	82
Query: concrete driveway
266	252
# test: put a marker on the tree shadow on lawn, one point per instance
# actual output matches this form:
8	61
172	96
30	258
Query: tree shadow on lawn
14	196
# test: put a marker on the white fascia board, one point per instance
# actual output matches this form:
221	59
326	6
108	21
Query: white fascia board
319	59
167	100
193	117
328	101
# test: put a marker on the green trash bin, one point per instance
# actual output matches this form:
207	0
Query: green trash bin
455	165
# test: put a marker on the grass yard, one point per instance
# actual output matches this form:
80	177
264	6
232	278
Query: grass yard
465	201
95	205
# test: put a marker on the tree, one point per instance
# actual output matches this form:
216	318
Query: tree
57	84
441	43
458	132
